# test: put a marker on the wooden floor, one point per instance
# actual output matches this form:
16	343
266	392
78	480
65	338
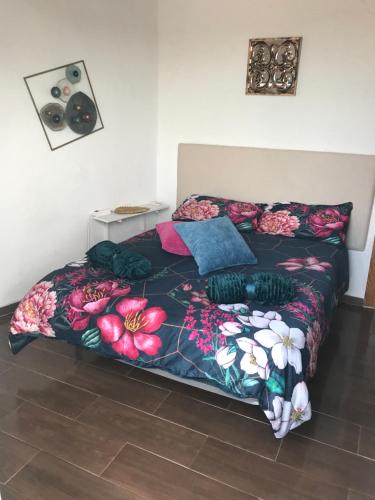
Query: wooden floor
73	425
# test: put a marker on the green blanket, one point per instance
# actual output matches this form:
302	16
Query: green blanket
123	263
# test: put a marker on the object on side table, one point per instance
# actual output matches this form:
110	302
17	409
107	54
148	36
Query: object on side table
130	210
107	225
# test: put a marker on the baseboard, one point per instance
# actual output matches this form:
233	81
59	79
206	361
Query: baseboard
7	310
352	301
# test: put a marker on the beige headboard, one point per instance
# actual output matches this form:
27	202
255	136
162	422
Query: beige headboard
269	175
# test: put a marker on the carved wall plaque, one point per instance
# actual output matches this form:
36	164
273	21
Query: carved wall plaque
272	66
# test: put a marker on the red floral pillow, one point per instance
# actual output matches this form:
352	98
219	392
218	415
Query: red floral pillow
328	223
244	215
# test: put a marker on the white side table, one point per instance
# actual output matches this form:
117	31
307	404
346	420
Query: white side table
106	225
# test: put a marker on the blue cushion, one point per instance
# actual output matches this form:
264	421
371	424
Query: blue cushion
215	244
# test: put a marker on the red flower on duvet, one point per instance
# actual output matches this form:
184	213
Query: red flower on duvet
91	299
130	333
240	211
325	221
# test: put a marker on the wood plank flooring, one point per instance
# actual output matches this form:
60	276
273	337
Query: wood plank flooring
76	426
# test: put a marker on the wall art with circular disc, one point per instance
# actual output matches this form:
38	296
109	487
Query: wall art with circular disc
65	103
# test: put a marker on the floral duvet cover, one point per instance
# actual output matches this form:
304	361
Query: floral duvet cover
166	320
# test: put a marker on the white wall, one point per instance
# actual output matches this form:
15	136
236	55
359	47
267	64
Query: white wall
46	197
202	67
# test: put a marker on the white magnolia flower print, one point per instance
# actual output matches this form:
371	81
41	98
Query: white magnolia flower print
254	361
233	307
224	357
285	343
301	406
259	319
275	416
294	412
230	328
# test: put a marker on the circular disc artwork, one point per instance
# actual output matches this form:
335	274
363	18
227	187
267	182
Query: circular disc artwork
53	116
81	113
55	92
66	89
73	73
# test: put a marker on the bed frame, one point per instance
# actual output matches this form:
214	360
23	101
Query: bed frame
269	175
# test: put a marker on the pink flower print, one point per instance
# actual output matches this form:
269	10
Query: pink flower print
201	298
76	277
325	221
186	287
58	279
196	210
91	299
34	311
239	212
130	332
280	222
310	263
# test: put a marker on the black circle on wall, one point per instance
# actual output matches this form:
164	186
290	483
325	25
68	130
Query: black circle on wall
80	105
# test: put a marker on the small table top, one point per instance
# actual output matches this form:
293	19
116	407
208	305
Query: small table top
107	216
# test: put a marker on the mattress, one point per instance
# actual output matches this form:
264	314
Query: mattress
167	322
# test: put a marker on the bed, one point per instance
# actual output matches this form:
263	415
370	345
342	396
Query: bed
263	355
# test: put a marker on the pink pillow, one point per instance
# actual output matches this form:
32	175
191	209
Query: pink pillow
171	241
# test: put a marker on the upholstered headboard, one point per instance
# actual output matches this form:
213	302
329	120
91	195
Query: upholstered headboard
269	175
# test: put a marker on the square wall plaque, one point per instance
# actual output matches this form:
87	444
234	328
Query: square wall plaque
65	103
272	66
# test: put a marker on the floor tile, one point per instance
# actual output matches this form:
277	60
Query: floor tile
158	479
80	444
5	352
13	455
144	430
329	464
117	387
8	403
7	493
248	410
4	366
345	406
367	443
111	365
331	431
353	495
75	352
45	392
47	478
230	427
259	476
45	362
185	389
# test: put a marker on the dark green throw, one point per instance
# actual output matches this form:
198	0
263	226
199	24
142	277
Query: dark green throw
265	288
123	263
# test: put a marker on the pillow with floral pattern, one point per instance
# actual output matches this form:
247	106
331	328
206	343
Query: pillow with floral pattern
244	215
328	223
